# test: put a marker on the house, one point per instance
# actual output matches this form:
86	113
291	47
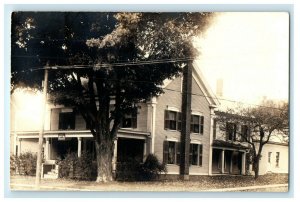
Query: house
233	137
156	128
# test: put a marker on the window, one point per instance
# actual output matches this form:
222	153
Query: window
66	120
215	129
244	133
197	124
171	152
231	131
129	120
196	154
269	157
171	120
277	159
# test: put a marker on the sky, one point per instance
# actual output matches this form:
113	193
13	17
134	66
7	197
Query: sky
249	52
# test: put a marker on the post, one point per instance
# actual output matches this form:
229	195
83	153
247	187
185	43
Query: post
19	147
231	157
79	147
114	161
47	149
145	150
186	121
222	161
41	133
243	171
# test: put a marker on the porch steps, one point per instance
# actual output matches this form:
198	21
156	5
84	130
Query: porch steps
53	174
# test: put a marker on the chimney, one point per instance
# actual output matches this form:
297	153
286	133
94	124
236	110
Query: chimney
219	87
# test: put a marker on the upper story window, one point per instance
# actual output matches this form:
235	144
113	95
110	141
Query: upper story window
196	154
129	120
171	152
197	124
231	131
269	157
66	121
171	120
277	158
244	133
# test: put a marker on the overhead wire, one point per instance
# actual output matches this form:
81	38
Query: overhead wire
141	81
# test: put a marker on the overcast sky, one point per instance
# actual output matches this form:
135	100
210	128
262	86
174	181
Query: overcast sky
250	52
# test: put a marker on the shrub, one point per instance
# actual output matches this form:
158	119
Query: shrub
133	170
24	164
151	168
128	171
73	167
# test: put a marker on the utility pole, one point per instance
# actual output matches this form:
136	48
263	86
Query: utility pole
41	133
186	121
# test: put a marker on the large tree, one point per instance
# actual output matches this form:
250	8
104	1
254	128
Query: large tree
102	58
266	122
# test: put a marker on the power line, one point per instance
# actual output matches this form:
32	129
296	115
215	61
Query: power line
120	64
144	81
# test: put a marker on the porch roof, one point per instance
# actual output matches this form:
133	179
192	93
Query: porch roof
231	144
78	133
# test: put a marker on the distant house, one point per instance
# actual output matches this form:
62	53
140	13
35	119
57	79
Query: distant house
155	128
231	140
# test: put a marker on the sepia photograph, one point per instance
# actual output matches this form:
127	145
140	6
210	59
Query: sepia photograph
149	101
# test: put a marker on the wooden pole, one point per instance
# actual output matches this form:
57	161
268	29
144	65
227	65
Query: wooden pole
41	133
186	121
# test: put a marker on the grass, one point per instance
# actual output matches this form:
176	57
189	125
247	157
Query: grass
202	184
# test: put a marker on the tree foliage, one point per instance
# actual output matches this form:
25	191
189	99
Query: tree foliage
96	59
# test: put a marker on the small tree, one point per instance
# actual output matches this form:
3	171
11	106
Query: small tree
264	123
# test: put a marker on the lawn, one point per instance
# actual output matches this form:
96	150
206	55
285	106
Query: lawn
202	184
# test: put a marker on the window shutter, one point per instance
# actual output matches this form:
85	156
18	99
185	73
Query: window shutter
178	146
166	119
202	125
134	121
215	129
200	154
234	132
179	121
165	151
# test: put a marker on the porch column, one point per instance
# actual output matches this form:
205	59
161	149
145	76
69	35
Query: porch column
153	122
230	168
145	150
210	161
222	160
243	171
79	146
47	149
19	146
114	160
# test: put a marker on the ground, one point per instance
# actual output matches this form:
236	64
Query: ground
267	183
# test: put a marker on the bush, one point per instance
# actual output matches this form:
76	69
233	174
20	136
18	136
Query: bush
128	171
133	170
151	168
82	168
24	164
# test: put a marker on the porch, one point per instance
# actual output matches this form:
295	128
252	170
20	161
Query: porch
128	144
228	158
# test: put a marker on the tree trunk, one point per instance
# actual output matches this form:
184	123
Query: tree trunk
256	166
104	154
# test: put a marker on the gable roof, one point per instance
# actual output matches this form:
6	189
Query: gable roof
202	83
